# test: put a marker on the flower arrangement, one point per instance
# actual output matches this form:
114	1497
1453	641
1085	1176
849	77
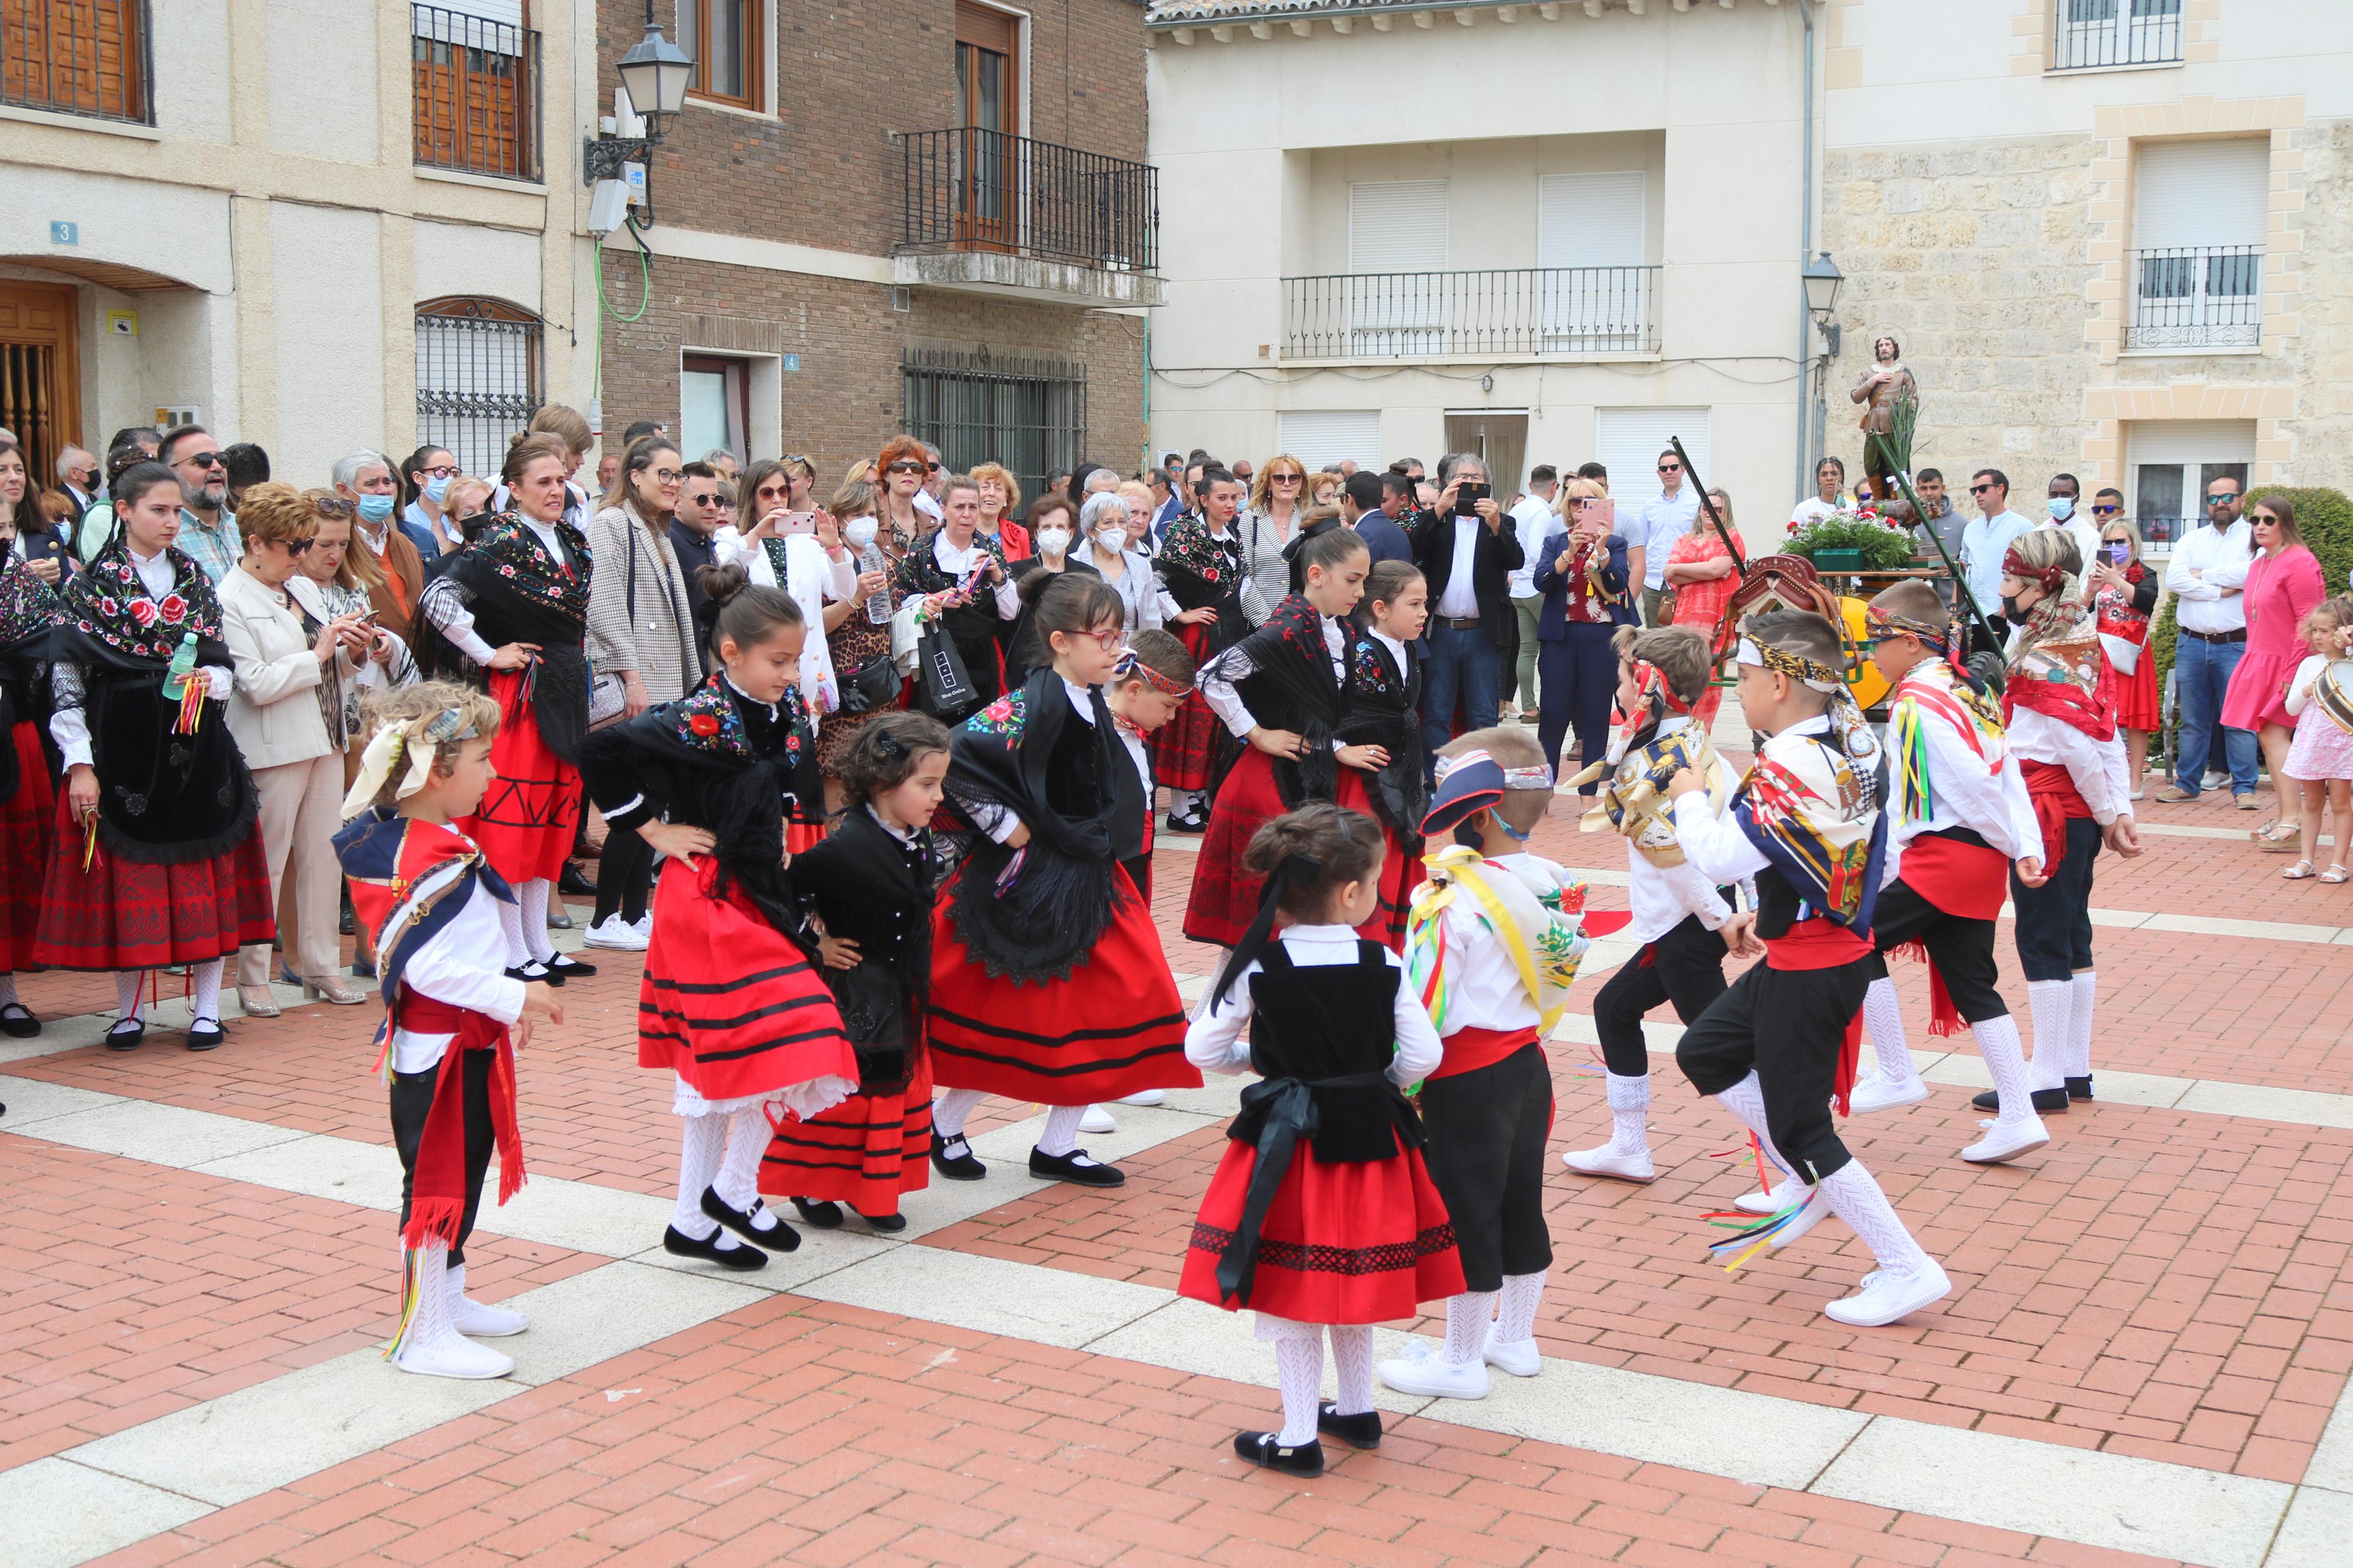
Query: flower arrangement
1885	543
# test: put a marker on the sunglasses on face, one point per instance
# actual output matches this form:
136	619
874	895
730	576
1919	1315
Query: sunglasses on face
296	546
336	506
905	467
1287	479
2109	510
1671	467
2220	500
1980	490
205	460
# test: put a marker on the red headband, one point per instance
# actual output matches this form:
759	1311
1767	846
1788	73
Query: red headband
2015	565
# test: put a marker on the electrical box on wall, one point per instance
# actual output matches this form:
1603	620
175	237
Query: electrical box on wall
167	415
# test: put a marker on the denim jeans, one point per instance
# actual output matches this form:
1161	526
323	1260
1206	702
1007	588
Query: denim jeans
1464	661
2201	674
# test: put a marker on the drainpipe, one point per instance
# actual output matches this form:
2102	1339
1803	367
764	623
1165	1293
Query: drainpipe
1805	253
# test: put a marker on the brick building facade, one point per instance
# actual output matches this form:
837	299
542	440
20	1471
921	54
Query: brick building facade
797	279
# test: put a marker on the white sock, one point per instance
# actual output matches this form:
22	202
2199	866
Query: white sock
1299	1371
1882	1020
2079	1024
738	1181
1856	1198
1515	1320
2052	1002
2005	1058
511	927
1467	1317
532	896
204	990
1745	1099
430	1318
1351	1360
1061	1134
7	988
949	1110
700	1145
129	994
1181	801
1629	1102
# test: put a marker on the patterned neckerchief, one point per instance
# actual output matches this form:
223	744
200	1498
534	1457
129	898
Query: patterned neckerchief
512	549
28	604
108	602
710	719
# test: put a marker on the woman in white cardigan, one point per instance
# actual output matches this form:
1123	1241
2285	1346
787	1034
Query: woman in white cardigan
1123	560
814	567
276	713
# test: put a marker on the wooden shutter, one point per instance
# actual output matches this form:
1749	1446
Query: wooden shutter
75	56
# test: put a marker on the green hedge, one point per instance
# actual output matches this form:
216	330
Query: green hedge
2325	518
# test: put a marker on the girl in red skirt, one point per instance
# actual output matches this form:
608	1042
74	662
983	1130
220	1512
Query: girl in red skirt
731	1003
1048	981
28	611
1350	1231
868	885
1200	562
515	604
1384	713
1285	690
158	857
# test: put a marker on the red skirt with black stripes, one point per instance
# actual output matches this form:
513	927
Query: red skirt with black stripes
1114	1027
729	1002
868	1152
1185	749
531	813
1224	900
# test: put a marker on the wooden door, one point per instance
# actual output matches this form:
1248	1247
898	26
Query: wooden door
989	102
40	373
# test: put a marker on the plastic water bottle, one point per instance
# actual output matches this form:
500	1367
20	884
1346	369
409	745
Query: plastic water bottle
877	605
184	664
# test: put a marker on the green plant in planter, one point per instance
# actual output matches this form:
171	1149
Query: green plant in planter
2323	516
1882	547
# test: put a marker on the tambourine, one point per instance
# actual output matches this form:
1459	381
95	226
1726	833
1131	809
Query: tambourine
2334	693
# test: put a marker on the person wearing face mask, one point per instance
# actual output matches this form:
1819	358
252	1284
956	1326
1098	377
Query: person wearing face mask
424	479
2061	512
1119	561
1052	534
394	569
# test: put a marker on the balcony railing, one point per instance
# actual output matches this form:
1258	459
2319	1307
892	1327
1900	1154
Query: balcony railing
973	189
476	85
2116	33
89	57
1521	310
2196	297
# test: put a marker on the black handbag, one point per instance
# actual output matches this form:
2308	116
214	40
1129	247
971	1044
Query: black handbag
872	687
944	688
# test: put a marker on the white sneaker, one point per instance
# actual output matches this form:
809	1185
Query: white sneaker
1874	1091
615	932
1757	1201
2007	1140
1521	1359
1420	1372
1789	1191
479	1318
1885	1297
645	925
1609	1161
1097	1120
452	1355
1144	1097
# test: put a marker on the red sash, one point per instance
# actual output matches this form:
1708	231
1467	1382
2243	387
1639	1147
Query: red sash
1967	880
1471	1048
1823	943
2056	799
436	1205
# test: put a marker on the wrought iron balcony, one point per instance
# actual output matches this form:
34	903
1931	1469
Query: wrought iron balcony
2093	33
1529	310
475	89
1013	214
2196	297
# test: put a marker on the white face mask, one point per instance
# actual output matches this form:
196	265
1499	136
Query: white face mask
860	531
1053	541
1112	540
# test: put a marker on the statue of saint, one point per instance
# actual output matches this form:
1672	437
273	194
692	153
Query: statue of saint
1886	384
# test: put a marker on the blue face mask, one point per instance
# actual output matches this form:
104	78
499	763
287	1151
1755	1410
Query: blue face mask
2062	508
374	508
436	488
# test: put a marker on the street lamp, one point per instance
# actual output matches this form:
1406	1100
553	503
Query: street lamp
1821	279
655	73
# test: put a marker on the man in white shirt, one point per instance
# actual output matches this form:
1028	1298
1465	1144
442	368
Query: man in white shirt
1984	542
1530	519
2208	573
1467	559
2063	508
1665	521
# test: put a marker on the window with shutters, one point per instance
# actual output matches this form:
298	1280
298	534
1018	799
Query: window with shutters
474	81
477	377
2116	33
2200	212
1628	442
2170	462
725	38
1590	244
1397	291
1321	437
77	57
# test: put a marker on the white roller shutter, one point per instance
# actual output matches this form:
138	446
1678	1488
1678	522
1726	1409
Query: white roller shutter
2191	441
2202	193
1592	225
1629	441
1320	436
1397	225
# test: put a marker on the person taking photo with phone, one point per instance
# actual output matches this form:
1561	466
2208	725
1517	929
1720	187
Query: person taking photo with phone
1468	556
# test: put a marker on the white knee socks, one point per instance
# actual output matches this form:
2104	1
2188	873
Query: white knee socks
1630	1105
1061	1133
2079	1026
532	895
949	1110
1515	1320
2005	1058
1299	1371
1467	1317
701	1147
1352	1361
204	990
2053	1005
1745	1099
129	994
738	1181
1857	1199
1882	1020
511	927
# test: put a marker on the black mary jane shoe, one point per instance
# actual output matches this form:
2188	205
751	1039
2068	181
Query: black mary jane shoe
1358	1431
568	967
884	1224
531	970
2077	1088
1188	824
1075	1166
782	1238
118	1038
822	1215
1262	1449
206	1034
2046	1101
17	1021
953	1158
677	1243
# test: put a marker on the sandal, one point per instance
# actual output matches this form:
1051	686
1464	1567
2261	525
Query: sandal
2285	843
2298	872
2337	874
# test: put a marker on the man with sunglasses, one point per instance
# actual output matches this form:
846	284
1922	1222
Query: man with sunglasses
2208	573
1665	521
1983	544
207	527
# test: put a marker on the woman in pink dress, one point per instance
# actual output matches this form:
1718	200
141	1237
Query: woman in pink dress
2283	583
1700	570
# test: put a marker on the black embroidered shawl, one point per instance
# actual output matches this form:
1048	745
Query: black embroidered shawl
1384	710
969	624
29	618
1200	570
1291	686
519	593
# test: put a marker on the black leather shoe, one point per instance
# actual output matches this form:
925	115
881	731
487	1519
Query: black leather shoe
1075	1166
2077	1088
823	1214
17	1021
2046	1101
567	967
743	1222
122	1039
534	970
679	1243
953	1158
574	883
1358	1431
205	1034
884	1224
1262	1449
1188	824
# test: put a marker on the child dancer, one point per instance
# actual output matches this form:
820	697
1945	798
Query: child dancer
1284	690
1201	568
1322	1216
1048	981
1959	821
29	833
453	1017
1384	713
2059	703
1774	1049
1681	917
1491	947
869	883
2321	756
729	1002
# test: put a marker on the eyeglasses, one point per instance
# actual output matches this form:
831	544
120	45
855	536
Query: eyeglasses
2108	510
668	476
202	460
2220	500
1980	490
1111	641
442	471
905	465
1671	467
